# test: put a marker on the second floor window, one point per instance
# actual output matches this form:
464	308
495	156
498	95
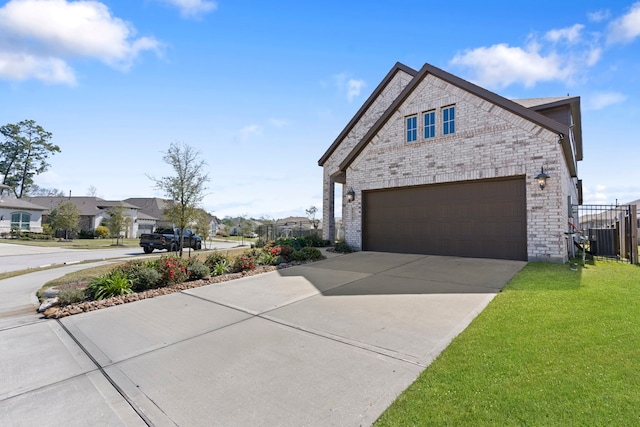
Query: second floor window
412	128
430	124
448	120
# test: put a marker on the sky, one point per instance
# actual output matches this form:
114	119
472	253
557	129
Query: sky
261	89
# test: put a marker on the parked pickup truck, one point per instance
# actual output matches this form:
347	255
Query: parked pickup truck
169	239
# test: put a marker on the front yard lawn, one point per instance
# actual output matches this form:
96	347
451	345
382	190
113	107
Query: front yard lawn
78	243
555	347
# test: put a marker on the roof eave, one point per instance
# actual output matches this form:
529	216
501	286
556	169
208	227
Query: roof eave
378	90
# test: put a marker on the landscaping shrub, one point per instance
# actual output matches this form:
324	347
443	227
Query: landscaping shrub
306	254
86	234
102	232
282	251
243	263
215	258
109	285
297	256
30	235
260	243
267	258
343	247
70	295
220	268
197	270
311	254
172	270
296	243
316	241
145	278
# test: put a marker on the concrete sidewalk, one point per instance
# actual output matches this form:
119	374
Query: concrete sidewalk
328	343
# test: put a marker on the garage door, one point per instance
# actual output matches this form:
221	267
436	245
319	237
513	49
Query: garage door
482	219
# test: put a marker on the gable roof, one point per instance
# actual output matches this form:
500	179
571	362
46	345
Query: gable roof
485	94
152	206
356	118
88	206
542	104
14	203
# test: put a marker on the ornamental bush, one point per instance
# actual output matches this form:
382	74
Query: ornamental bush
220	268
282	251
343	247
215	258
243	263
109	285
102	232
173	270
197	270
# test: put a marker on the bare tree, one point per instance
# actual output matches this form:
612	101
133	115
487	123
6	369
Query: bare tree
311	214
186	188
92	191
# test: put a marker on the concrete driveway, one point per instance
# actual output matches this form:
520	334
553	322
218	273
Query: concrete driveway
329	344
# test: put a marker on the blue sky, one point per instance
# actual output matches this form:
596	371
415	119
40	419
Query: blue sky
262	89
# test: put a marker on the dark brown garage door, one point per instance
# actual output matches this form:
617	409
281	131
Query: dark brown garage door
483	219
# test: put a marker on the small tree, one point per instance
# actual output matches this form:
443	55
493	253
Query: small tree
116	222
202	225
65	216
186	188
311	214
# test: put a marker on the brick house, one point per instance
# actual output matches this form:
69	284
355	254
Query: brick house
433	164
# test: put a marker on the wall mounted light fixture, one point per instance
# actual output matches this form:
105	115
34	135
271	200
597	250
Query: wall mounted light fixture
351	195
542	178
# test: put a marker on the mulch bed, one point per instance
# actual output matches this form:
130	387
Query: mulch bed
57	312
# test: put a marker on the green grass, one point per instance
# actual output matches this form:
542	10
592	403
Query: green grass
555	348
78	243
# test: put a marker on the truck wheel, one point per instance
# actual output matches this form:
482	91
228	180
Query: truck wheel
198	246
147	250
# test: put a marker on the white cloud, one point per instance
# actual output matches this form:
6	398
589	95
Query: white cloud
604	99
42	35
20	66
501	65
626	28
249	131
351	87
570	34
599	15
278	123
193	8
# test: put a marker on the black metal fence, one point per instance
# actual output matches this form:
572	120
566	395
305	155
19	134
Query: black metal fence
272	232
607	232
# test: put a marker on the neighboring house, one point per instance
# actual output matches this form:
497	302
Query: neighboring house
153	208
295	226
153	216
93	211
146	223
18	213
433	164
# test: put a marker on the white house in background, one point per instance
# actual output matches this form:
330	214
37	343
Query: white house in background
18	213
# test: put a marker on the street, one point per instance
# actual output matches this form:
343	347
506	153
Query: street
15	257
